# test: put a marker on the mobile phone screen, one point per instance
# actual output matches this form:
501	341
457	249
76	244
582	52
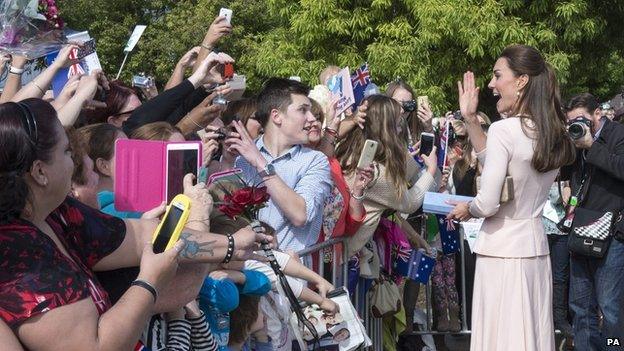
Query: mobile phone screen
426	144
181	162
167	229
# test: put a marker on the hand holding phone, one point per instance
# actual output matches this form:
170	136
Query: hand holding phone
426	143
169	229
367	156
227	13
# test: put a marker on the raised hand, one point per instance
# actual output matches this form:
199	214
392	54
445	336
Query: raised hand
217	30
208	72
242	143
159	269
188	59
468	98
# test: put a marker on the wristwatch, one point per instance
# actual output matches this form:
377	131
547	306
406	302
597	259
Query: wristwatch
269	170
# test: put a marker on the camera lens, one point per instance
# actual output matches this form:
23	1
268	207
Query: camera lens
576	130
409	106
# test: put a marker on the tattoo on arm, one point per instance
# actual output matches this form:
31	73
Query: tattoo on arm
193	248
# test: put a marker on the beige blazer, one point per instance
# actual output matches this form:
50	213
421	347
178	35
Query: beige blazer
511	229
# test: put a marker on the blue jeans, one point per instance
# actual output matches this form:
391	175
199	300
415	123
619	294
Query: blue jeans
560	261
598	284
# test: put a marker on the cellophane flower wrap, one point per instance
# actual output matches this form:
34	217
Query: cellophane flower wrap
30	28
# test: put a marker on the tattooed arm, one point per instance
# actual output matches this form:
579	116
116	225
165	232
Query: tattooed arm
201	247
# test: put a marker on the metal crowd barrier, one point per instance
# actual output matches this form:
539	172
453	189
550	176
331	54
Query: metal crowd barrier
374	327
429	309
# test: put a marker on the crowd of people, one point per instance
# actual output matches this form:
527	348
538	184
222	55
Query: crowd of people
79	273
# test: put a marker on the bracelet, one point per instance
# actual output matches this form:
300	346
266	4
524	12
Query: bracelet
38	87
147	286
230	249
16	70
195	123
206	47
359	198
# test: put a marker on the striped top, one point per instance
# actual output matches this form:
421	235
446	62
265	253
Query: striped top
306	171
191	334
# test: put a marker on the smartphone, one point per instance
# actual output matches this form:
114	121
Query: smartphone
168	231
426	143
422	100
368	153
182	158
227	13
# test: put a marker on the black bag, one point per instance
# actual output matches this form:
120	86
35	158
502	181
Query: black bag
591	232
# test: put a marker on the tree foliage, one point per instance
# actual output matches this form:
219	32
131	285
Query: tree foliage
429	43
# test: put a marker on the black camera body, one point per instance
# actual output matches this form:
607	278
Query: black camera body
458	116
578	127
409	106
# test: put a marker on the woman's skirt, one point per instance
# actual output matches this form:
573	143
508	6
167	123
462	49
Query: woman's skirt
512	304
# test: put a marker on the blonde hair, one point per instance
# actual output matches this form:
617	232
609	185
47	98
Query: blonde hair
155	131
380	125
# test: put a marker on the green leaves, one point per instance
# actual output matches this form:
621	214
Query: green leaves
429	43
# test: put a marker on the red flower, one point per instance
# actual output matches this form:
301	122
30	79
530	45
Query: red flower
260	195
231	208
243	197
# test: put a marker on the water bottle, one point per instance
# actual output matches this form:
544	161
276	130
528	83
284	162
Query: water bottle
220	327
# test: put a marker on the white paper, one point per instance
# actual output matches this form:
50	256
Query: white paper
134	38
340	85
550	213
471	231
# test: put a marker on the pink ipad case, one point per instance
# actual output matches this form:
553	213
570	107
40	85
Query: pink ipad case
140	173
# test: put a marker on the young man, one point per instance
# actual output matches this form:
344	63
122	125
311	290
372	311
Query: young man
597	284
297	178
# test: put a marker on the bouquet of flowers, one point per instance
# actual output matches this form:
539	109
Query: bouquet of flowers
239	200
246	201
30	28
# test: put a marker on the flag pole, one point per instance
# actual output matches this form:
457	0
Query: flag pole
122	64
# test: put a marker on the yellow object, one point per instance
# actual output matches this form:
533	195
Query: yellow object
170	227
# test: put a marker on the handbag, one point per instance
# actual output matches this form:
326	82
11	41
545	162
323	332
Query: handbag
591	232
507	194
385	299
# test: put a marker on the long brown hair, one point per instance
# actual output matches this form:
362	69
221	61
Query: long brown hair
381	126
540	102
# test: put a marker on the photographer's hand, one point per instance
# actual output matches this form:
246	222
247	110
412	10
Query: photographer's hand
425	115
207	72
245	146
218	29
204	113
87	87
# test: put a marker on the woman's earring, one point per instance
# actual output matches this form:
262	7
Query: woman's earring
517	93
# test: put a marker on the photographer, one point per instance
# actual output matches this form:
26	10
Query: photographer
597	177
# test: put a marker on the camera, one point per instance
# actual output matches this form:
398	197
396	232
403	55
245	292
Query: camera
142	81
409	106
578	127
458	116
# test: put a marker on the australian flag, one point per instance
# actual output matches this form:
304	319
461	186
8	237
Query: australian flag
360	80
